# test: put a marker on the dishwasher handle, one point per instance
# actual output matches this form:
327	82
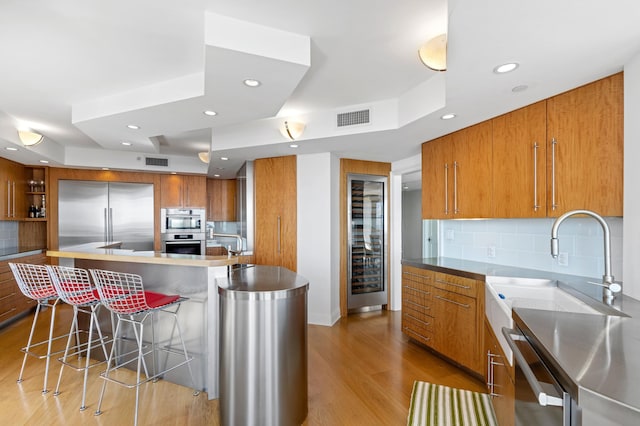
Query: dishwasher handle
544	399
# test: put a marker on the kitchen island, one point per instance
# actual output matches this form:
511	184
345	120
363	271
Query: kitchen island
596	356
190	276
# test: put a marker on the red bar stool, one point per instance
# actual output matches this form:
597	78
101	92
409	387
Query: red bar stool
75	288
124	295
34	283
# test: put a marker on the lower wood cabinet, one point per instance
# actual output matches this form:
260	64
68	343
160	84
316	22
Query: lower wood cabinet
446	313
499	377
12	301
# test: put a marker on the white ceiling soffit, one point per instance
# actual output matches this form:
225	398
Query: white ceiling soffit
234	51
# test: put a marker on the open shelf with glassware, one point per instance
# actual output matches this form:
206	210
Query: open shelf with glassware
36	193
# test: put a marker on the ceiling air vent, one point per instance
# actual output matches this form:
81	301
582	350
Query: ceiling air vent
352	118
151	161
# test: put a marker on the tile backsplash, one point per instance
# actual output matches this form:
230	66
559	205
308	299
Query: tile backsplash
8	235
526	243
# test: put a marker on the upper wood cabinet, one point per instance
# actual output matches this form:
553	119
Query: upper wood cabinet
519	162
183	191
585	152
561	154
221	196
12	191
276	211
457	174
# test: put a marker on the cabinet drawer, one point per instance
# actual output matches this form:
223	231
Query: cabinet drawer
465	286
416	332
417	321
416	295
421	312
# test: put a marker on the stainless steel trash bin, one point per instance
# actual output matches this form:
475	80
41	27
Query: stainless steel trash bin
263	347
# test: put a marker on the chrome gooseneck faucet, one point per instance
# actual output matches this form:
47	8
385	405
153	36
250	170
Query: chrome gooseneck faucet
609	286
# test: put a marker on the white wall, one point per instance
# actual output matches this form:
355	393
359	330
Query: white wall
319	234
631	250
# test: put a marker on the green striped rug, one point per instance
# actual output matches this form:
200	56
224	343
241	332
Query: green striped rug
437	405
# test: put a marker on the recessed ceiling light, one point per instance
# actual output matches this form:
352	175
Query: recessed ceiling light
293	145
216	175
508	67
210	113
448	116
127	143
405	187
10	148
105	168
173	173
520	88
251	82
44	161
133	127
224	158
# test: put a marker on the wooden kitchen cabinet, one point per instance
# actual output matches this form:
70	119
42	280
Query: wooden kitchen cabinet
183	191
457	174
417	315
12	301
499	377
445	312
276	211
519	163
585	152
221	200
12	190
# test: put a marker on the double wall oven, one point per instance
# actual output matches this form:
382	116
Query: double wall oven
183	231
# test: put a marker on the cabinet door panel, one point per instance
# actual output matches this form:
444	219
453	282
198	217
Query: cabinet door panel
472	171
171	190
519	163
436	176
194	189
585	155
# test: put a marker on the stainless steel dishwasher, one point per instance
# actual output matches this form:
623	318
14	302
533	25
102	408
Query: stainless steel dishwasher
263	347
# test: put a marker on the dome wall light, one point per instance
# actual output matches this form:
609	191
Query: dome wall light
204	156
30	138
434	53
292	129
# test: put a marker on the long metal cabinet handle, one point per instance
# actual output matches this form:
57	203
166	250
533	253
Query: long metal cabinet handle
13	195
8	198
466	287
536	206
543	398
553	173
279	228
446	188
455	188
464	305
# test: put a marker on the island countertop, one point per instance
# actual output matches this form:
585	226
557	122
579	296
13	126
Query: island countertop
97	251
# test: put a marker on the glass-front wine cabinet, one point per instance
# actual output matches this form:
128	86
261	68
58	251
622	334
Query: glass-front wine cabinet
366	241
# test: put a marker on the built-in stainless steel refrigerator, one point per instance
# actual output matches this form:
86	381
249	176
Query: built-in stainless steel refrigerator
105	212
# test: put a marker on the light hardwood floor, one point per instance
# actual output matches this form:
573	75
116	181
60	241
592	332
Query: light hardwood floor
361	372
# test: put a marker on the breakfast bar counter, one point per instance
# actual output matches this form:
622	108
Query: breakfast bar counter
190	276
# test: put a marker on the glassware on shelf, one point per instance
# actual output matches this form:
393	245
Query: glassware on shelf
32	185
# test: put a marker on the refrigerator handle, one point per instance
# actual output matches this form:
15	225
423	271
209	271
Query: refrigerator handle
110	225
106	222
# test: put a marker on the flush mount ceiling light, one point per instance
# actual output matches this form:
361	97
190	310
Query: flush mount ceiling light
505	68
448	116
251	82
434	53
126	143
292	129
29	138
44	161
210	113
204	156
224	158
10	148
133	127
293	145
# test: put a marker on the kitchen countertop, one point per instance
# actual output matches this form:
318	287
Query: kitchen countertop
597	355
95	251
14	253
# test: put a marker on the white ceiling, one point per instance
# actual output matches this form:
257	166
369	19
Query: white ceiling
80	71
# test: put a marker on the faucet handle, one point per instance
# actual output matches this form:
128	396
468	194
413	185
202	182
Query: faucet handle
614	287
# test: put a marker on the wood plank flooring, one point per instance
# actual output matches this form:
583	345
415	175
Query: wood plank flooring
361	372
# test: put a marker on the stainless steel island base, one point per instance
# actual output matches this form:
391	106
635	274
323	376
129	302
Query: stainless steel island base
263	347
